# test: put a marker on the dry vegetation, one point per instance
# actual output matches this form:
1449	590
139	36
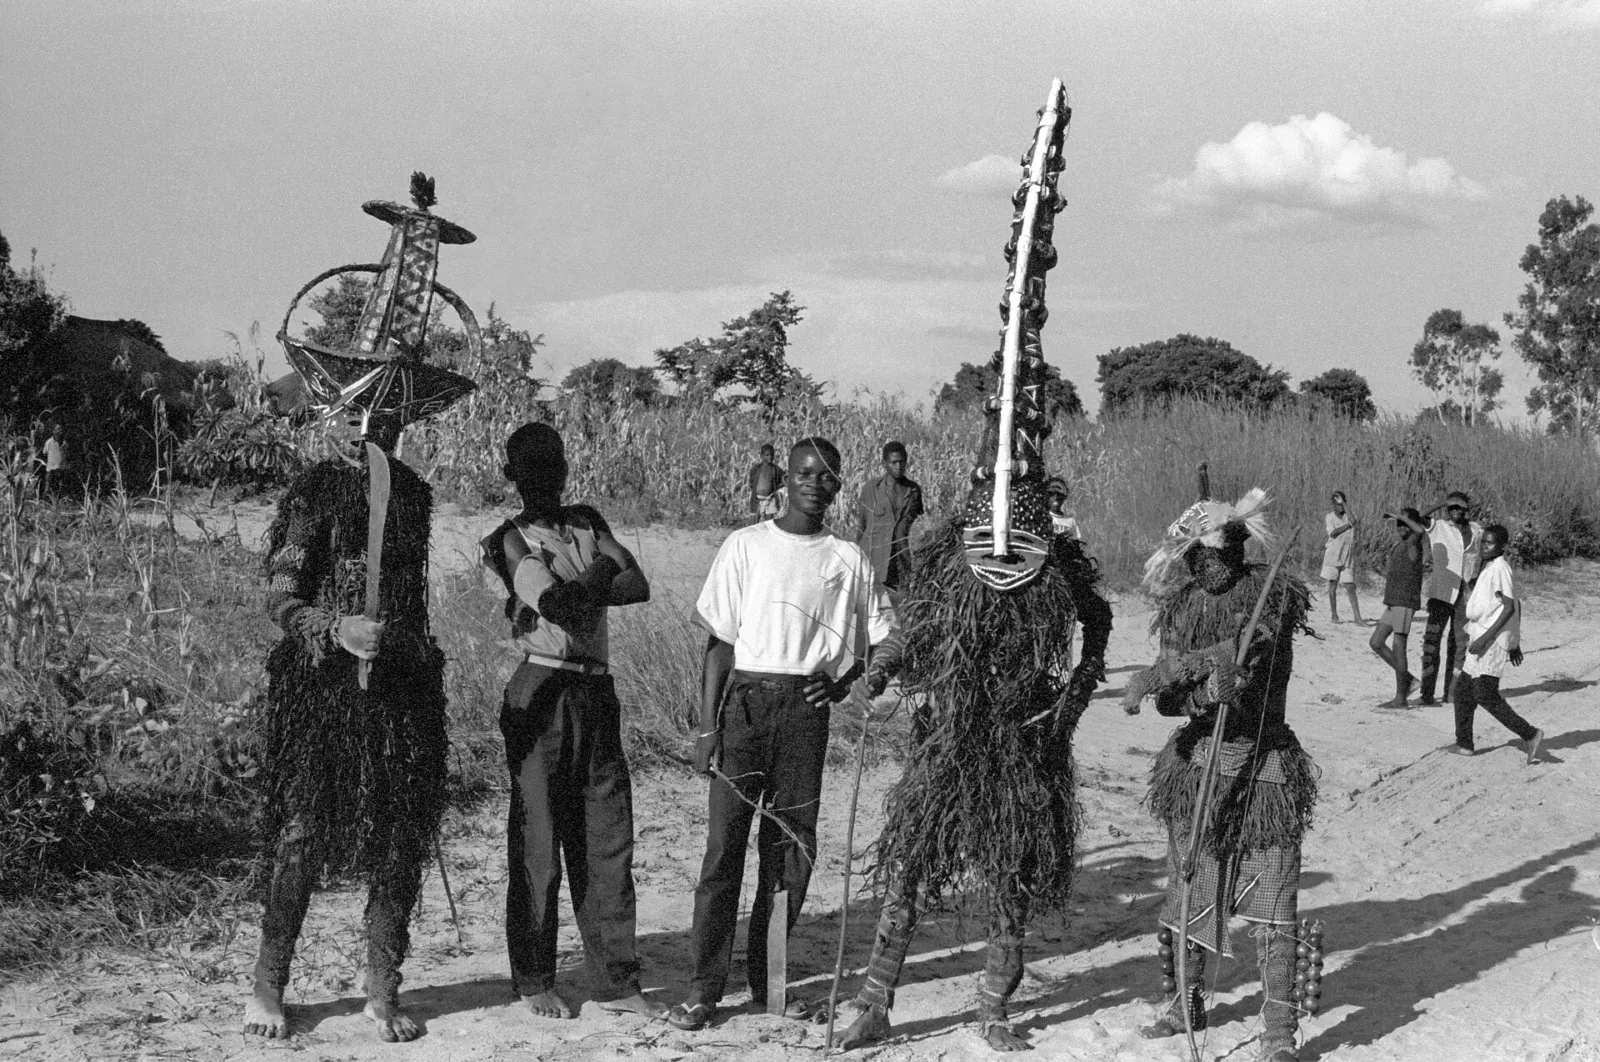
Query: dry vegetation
130	659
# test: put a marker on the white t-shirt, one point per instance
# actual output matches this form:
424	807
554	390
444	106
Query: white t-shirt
1483	606
1455	560
793	604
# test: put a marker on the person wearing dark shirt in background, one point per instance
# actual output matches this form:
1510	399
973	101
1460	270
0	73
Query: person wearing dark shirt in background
890	504
1402	597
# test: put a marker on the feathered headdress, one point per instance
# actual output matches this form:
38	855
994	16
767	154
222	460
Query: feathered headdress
1205	523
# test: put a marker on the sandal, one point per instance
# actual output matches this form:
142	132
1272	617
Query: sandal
793	1009
691	1018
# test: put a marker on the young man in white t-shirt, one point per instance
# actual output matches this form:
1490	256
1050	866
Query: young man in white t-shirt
791	613
1494	630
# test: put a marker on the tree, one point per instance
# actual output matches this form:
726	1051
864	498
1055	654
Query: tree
1345	391
975	383
1556	328
1186	365
751	352
340	309
29	310
1451	361
604	380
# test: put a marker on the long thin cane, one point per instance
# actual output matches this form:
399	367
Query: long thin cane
1201	819
859	699
444	877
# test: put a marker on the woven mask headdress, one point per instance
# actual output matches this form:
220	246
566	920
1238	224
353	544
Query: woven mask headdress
1213	525
1008	530
382	374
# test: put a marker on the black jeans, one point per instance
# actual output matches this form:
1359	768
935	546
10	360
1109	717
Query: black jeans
1442	614
1483	691
773	748
572	796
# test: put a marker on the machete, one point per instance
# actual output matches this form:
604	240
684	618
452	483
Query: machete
377	513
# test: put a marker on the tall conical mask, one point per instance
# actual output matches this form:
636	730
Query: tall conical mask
383	373
1008	528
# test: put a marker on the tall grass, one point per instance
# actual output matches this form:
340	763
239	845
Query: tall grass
1131	475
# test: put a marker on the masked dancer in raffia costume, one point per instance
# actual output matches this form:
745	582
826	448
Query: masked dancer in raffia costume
355	718
988	803
1248	863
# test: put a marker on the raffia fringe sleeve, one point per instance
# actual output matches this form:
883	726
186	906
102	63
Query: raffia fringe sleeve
294	569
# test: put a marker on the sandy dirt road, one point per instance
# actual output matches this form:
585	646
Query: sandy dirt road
1461	897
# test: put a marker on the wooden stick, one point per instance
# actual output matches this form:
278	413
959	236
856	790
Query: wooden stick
859	699
444	877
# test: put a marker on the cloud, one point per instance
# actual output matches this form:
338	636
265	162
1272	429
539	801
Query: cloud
1557	14
990	175
1311	170
891	334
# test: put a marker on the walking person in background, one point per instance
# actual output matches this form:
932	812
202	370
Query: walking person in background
55	461
1454	544
889	506
791	612
1494	625
571	791
1402	597
765	479
1338	558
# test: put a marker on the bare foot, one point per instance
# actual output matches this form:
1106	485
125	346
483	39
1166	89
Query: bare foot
263	1015
870	1025
634	1004
547	1005
394	1026
1002	1037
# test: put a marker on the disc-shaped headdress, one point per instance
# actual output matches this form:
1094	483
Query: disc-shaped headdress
383	373
1008	530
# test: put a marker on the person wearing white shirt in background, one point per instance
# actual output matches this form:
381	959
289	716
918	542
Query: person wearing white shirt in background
1338	558
1454	548
1494	625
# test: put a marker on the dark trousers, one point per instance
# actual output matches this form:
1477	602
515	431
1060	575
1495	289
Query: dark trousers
571	796
1483	691
773	747
1442	614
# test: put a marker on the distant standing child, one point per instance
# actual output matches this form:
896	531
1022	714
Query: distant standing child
55	461
765	479
571	791
1494	627
1338	557
1402	597
1062	522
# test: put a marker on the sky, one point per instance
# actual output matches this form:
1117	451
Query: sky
1306	180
